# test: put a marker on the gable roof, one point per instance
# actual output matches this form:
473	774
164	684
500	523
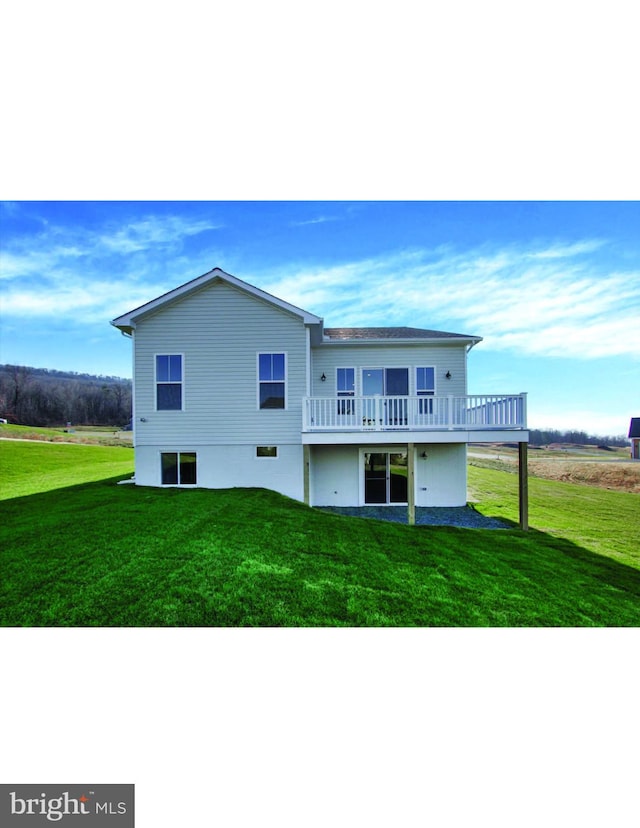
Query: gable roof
634	427
127	322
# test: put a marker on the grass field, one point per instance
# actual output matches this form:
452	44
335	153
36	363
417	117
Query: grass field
84	435
97	554
32	466
609	468
600	520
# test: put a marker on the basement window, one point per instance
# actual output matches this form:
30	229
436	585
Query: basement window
178	468
266	451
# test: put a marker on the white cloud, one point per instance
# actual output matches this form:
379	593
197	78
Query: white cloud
554	301
152	232
14	265
100	273
562	251
318	220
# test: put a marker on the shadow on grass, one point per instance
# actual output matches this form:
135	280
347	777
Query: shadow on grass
120	479
606	570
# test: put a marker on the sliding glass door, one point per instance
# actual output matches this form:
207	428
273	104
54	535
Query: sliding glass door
385	382
385	477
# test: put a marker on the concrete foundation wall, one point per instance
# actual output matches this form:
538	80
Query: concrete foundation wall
224	467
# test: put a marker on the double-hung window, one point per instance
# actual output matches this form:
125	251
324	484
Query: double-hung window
426	387
345	387
169	382
272	380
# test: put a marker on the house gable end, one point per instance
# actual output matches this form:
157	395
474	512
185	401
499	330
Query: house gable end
127	322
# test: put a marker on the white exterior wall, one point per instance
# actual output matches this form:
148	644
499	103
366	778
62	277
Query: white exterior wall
335	476
226	467
446	357
440	478
219	330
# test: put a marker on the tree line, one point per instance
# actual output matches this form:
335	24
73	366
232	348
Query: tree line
543	437
43	397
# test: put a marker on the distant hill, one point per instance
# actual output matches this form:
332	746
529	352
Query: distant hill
47	397
46	374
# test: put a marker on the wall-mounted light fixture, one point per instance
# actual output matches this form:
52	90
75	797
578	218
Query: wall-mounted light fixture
143	419
323	377
448	375
424	454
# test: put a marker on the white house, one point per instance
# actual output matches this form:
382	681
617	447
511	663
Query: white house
234	387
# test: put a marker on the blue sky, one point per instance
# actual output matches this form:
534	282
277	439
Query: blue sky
553	287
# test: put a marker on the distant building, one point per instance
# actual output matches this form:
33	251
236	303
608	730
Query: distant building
634	436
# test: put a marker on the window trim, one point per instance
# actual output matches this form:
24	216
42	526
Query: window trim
425	407
267	456
423	392
285	382
179	483
384	369
346	404
339	368
157	382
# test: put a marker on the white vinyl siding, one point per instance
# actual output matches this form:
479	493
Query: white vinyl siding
219	330
442	357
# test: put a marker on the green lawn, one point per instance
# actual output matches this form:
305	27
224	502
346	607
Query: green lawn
602	521
83	435
101	554
32	466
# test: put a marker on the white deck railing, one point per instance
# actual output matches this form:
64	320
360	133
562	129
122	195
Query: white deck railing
414	413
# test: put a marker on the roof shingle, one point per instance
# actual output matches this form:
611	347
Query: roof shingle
344	334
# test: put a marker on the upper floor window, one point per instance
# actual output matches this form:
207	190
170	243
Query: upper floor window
345	387
169	382
388	382
272	380
346	382
426	387
425	382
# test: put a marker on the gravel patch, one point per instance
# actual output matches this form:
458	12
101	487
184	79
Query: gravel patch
462	516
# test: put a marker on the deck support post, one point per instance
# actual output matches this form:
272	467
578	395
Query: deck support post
306	464
523	486
411	484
